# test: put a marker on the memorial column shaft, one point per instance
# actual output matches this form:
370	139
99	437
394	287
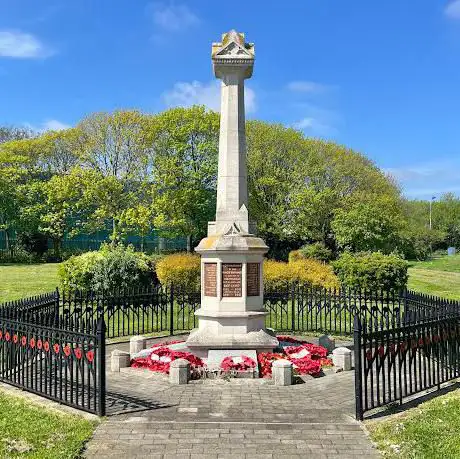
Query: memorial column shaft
232	192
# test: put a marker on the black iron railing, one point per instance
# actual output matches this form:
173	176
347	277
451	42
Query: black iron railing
386	326
405	357
62	361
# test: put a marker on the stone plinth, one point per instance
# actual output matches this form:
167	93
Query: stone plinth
137	344
232	314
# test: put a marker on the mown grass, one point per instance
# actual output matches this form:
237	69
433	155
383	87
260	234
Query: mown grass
429	431
32	431
19	281
440	263
440	283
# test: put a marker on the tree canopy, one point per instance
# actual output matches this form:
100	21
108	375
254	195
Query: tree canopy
132	172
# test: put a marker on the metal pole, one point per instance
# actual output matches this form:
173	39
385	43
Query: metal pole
431	202
171	310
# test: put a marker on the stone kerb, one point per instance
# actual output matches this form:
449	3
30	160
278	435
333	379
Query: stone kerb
341	358
136	344
282	372
179	371
119	359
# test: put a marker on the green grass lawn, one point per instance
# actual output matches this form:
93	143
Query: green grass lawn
440	263
19	281
439	276
429	431
31	431
440	283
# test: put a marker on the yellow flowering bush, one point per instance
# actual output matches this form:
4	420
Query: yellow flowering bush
314	273
180	269
278	275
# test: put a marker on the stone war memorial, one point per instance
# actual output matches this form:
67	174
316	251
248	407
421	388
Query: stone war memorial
190	355
232	313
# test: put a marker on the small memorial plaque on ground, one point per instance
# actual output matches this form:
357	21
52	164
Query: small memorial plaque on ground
216	356
231	279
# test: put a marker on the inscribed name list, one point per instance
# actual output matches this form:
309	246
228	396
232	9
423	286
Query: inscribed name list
210	279
253	279
231	279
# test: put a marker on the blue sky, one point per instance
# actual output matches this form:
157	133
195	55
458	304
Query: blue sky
380	77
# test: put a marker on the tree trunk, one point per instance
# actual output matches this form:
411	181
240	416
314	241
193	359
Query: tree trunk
189	243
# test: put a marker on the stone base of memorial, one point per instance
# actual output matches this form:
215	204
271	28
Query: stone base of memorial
306	359
232	314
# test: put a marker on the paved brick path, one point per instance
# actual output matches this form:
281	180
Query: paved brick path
149	418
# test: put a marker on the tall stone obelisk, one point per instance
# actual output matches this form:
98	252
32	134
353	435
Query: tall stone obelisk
232	313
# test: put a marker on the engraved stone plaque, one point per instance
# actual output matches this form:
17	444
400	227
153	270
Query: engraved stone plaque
210	279
231	279
253	279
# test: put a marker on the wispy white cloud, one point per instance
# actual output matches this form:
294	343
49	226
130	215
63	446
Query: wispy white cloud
452	9
48	125
184	94
309	87
21	45
54	125
314	126
428	178
171	17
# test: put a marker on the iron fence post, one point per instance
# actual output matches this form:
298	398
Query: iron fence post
357	329
100	338
293	290
57	298
171	310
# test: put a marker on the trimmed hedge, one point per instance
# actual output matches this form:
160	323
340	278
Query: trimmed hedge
372	271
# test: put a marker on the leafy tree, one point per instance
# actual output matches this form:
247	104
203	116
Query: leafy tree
9	133
60	151
184	169
138	220
446	218
298	185
114	144
369	223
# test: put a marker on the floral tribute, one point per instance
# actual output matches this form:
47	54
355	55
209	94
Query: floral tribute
307	358
161	357
243	363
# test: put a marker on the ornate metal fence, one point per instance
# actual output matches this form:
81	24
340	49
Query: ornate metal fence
404	343
302	309
401	358
61	361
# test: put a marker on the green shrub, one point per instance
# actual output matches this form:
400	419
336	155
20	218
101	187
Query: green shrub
111	267
316	251
180	269
372	271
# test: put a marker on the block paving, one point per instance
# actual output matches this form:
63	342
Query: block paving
148	418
